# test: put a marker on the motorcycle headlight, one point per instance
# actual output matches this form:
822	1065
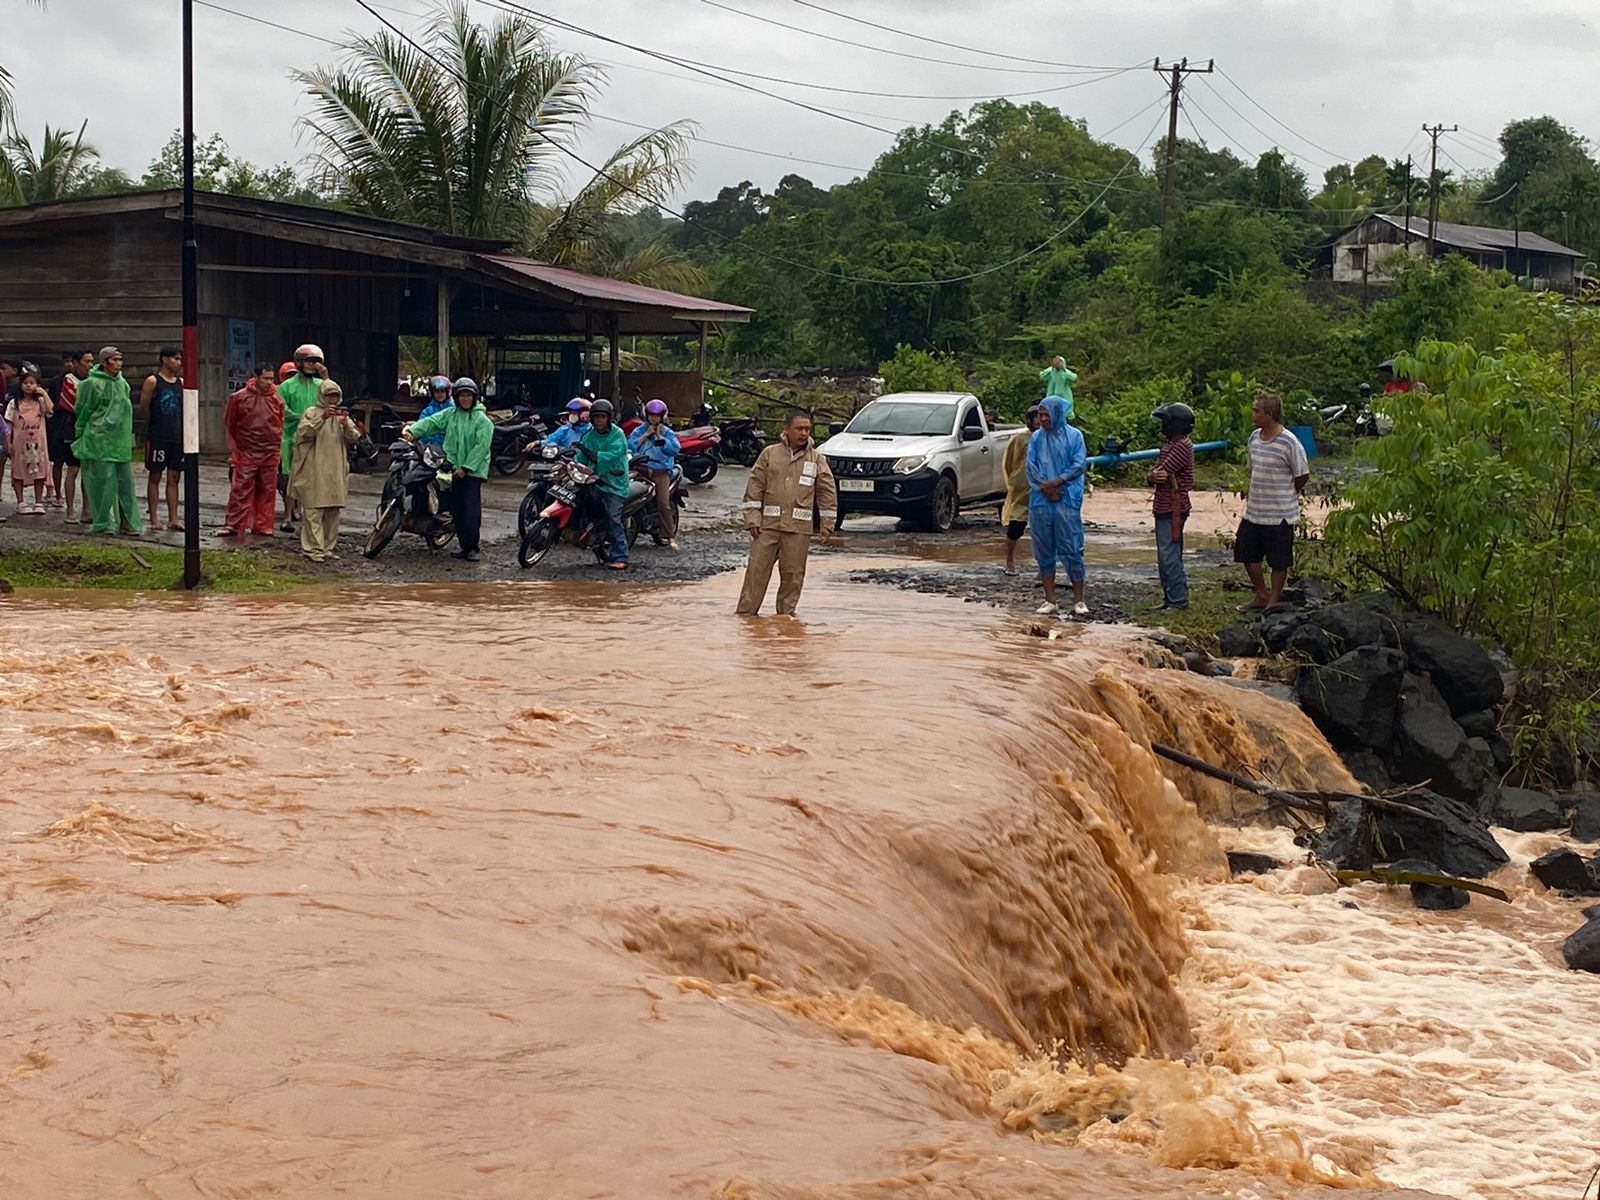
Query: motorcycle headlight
909	466
552	452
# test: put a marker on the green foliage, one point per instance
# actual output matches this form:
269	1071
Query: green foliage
63	164
86	565
912	370
1010	388
1126	415
216	169
1485	504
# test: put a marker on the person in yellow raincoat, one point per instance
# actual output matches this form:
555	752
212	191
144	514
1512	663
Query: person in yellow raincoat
321	473
1015	465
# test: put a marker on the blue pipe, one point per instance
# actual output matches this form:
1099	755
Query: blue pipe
1114	457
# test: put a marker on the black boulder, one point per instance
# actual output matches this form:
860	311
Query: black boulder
1585	816
1564	870
1350	625
1582	949
1435	897
1353	698
1430	748
1241	862
1240	641
1460	668
1311	644
1526	811
1453	835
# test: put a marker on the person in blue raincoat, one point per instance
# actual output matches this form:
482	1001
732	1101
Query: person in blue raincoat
1058	460
577	424
656	446
439	399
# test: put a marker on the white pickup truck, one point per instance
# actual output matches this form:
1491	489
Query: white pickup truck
922	455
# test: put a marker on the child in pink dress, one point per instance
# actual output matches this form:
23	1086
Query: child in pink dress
27	444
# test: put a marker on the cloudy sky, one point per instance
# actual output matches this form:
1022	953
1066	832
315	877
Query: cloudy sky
1325	82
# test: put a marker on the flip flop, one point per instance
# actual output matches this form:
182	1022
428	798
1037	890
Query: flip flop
175	526
617	566
226	532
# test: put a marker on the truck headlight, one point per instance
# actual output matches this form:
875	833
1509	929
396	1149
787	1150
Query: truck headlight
909	466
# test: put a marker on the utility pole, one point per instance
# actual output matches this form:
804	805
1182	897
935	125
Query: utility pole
191	323
1433	132
1408	204
1178	70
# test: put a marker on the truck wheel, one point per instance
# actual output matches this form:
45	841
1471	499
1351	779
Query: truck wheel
942	506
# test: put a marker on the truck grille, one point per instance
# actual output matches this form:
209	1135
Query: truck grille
861	468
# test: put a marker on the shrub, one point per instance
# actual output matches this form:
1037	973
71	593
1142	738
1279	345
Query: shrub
912	370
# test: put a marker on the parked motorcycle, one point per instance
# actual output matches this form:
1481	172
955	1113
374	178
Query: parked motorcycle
742	441
1359	417
650	518
416	498
363	453
506	453
576	515
697	453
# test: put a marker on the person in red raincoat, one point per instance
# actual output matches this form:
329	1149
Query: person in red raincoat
254	424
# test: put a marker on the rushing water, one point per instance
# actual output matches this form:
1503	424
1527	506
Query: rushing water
548	891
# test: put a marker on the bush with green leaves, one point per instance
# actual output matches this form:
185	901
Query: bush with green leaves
1126	415
912	370
1485	506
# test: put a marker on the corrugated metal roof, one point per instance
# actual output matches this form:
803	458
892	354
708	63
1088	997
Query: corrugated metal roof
577	285
1480	237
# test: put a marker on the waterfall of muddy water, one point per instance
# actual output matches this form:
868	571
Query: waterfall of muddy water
550	891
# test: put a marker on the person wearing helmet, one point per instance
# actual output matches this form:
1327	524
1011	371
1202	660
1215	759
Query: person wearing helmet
299	393
605	450
658	446
1173	479
576	426
439	399
468	434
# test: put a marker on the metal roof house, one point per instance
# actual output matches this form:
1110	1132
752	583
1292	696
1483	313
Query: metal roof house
1357	254
80	274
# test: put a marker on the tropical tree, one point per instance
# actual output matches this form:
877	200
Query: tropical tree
63	165
462	132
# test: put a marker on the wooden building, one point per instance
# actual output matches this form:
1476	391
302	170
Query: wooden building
80	274
1358	255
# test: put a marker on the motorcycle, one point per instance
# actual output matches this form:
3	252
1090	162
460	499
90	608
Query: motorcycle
742	441
363	453
649	517
416	498
576	515
506	452
697	453
541	471
1360	417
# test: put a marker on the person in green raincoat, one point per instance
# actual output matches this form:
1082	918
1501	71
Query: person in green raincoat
1058	379
468	437
605	448
299	393
104	445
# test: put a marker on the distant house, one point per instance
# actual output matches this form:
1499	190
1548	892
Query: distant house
1357	255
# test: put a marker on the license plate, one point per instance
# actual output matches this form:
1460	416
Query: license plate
565	495
855	485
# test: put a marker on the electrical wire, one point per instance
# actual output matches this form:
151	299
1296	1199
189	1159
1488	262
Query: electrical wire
948	62
1271	141
600	172
937	42
767	77
1279	121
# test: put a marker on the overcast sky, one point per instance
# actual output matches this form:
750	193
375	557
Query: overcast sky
1332	81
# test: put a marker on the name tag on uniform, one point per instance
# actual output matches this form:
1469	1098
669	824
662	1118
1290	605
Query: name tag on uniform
808	470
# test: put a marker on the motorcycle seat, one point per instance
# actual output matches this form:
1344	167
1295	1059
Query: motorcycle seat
638	490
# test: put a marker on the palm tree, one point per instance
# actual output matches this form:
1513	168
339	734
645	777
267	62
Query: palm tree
63	165
463	135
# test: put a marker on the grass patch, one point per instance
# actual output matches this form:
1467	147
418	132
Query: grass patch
111	564
1215	594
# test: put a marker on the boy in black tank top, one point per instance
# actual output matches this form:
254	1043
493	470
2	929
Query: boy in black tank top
162	402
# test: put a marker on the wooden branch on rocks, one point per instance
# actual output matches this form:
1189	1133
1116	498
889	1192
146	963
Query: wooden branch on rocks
1316	802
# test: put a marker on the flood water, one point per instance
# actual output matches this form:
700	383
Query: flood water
558	891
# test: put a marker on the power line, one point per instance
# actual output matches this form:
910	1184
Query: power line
1271	141
600	172
948	62
937	42
1278	121
767	77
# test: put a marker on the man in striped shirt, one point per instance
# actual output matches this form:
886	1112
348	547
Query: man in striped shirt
1278	474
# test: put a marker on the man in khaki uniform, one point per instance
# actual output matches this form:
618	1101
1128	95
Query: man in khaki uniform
789	480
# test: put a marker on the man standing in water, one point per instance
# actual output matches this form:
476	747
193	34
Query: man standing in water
1058	460
1278	474
791	493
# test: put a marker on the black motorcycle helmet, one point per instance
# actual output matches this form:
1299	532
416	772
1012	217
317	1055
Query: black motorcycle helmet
602	408
1177	420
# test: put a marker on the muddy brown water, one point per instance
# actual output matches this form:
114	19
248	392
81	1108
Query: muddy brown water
568	891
